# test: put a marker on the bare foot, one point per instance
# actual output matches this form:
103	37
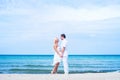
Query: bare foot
53	72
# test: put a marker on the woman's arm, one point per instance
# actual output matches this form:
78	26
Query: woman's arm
56	50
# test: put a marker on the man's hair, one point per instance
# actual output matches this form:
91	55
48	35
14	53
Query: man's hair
63	35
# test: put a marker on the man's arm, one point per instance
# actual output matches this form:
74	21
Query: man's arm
62	51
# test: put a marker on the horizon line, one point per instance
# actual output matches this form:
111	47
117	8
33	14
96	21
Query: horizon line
53	54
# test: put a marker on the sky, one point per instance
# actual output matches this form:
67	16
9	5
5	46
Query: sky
29	26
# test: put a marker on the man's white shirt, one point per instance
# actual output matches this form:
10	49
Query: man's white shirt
64	44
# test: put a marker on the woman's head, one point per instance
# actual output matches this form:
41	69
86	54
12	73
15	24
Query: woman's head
56	40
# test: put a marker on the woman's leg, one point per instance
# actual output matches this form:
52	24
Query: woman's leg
55	68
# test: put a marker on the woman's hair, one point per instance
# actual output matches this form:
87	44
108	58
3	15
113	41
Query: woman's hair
56	40
63	35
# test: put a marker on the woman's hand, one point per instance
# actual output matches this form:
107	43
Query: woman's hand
61	55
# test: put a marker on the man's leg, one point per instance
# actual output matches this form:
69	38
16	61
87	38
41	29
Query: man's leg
65	64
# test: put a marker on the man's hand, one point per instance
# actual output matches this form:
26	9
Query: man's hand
62	51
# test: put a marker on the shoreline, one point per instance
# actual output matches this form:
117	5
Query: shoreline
86	76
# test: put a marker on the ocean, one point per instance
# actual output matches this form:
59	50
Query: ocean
42	64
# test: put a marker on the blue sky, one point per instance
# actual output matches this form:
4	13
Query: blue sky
29	26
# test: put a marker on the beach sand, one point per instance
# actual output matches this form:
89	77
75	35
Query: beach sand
86	76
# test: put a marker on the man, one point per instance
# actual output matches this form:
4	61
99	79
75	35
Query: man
64	54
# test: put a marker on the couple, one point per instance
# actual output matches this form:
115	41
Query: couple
60	54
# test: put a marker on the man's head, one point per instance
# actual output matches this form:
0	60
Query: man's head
63	36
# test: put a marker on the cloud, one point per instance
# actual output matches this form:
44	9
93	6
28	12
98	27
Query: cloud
49	13
53	12
55	18
64	13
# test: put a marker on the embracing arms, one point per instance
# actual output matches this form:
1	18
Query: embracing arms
56	50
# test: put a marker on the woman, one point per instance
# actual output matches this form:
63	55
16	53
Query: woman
57	58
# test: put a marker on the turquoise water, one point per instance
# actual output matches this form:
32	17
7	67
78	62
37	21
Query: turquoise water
42	64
